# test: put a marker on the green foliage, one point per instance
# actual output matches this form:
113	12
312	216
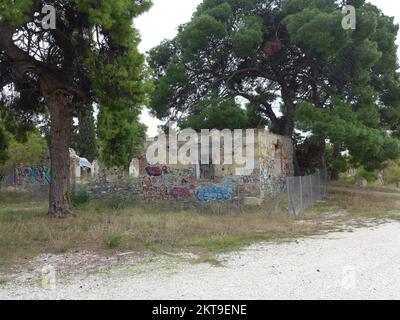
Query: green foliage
362	173
368	146
113	241
95	60
15	11
295	50
216	114
392	173
33	150
4	142
116	202
305	28
336	164
79	196
121	136
248	37
84	140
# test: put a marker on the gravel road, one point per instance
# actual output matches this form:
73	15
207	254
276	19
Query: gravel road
363	264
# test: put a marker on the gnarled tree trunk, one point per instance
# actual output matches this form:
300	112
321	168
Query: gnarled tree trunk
59	105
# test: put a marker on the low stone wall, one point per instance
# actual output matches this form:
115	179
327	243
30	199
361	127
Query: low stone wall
162	184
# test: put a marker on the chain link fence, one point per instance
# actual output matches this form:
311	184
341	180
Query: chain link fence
304	192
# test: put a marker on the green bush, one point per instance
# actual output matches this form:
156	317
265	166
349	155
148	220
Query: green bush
392	173
116	202
113	241
362	173
79	197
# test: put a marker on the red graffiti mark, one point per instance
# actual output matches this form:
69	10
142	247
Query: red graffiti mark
154	171
180	192
252	188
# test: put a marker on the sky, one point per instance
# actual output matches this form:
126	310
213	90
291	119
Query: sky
163	19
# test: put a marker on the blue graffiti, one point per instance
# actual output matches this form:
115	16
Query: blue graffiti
207	194
10	180
231	186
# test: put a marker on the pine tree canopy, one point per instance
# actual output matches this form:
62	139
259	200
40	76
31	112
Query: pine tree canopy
293	52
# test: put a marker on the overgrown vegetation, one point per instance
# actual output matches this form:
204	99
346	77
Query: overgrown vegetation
25	230
79	196
392	173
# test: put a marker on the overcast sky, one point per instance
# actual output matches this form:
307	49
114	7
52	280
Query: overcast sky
163	19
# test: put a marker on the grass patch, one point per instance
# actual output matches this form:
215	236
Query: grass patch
79	197
26	231
357	205
113	241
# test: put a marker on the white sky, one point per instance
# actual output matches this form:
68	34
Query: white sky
163	19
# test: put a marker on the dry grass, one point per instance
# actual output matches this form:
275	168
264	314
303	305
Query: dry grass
371	186
359	205
26	231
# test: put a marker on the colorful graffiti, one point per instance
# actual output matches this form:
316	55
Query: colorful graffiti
231	186
213	193
27	176
180	192
154	171
251	188
35	174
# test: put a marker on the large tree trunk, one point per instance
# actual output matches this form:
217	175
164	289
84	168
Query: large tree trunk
60	204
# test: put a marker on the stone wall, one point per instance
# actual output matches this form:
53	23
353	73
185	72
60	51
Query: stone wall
273	163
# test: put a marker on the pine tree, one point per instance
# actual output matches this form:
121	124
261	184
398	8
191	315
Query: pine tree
84	139
295	52
90	56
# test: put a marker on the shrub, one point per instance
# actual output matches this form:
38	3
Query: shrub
116	202
79	197
392	173
362	173
113	241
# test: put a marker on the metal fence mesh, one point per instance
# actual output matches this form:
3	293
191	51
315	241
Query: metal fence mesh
304	192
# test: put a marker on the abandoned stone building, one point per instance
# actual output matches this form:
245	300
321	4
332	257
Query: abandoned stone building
273	162
200	182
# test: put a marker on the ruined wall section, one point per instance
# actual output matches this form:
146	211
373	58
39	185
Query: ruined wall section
273	163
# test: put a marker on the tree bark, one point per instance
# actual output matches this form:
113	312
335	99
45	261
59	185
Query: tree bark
60	204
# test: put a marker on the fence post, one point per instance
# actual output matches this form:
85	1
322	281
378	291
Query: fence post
301	194
289	199
311	191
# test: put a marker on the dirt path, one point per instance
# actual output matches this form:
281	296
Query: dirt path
364	264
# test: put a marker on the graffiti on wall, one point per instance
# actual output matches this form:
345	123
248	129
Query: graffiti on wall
35	174
251	188
154	171
180	192
28	175
213	193
231	186
272	186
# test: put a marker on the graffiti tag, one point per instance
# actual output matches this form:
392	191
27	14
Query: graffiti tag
207	194
154	171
